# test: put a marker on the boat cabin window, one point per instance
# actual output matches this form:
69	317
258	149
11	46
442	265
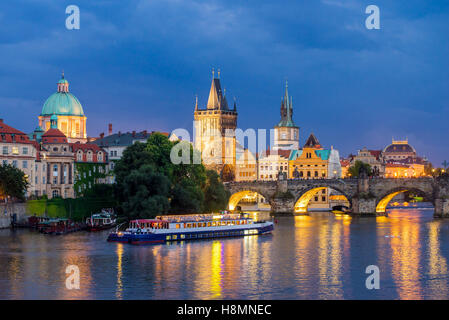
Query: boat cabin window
178	226
208	224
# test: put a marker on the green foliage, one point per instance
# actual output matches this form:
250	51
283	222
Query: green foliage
87	175
13	182
355	169
216	196
76	209
149	184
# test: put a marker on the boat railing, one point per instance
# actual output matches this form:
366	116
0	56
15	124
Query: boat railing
117	228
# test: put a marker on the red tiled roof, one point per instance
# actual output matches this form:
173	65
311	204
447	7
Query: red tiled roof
54	136
85	147
375	153
9	134
282	153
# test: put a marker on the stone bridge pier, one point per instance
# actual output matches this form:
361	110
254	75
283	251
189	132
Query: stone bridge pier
367	196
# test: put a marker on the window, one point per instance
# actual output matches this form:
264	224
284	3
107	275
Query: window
178	226
79	155
100	156
5	150
25	150
15	150
14	163
55	193
25	164
5	162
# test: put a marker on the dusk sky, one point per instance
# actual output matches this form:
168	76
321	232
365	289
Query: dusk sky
138	65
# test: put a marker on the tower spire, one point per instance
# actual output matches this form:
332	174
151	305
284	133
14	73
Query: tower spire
196	102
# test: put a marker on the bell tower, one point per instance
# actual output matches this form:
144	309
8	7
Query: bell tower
214	129
286	133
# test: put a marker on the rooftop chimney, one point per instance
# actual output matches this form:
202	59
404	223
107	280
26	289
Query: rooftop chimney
1	120
101	135
110	129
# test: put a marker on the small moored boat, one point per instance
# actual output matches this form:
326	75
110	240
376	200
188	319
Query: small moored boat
100	221
189	227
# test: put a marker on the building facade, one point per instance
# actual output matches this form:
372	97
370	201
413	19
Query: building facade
315	162
271	162
245	166
58	160
214	129
16	149
91	167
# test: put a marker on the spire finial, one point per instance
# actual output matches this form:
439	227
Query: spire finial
218	73
62	73
213	73
196	102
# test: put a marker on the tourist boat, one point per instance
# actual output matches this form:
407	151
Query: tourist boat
189	227
100	221
59	226
341	210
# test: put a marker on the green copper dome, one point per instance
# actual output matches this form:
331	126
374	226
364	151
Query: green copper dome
62	103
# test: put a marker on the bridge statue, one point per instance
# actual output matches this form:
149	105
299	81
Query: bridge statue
367	196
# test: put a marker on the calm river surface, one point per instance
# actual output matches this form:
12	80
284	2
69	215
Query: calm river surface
319	256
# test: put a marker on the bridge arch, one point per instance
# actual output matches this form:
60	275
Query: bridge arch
239	195
385	199
303	199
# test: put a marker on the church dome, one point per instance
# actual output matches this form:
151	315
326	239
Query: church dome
399	147
62	103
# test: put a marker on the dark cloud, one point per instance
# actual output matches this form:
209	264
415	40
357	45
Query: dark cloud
138	64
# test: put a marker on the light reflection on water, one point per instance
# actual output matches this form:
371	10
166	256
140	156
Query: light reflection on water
315	256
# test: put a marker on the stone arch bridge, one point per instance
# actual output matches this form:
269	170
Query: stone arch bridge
367	196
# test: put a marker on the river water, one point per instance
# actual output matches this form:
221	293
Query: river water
318	256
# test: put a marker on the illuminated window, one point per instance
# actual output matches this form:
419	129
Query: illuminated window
15	150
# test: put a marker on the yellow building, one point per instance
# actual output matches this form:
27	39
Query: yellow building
245	166
214	129
401	170
314	162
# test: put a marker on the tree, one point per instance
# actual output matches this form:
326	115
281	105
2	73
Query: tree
13	182
149	184
146	193
358	165
216	196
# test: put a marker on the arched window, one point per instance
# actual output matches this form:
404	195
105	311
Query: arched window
79	156
100	156
55	193
89	156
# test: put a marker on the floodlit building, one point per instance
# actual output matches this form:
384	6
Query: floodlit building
214	129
